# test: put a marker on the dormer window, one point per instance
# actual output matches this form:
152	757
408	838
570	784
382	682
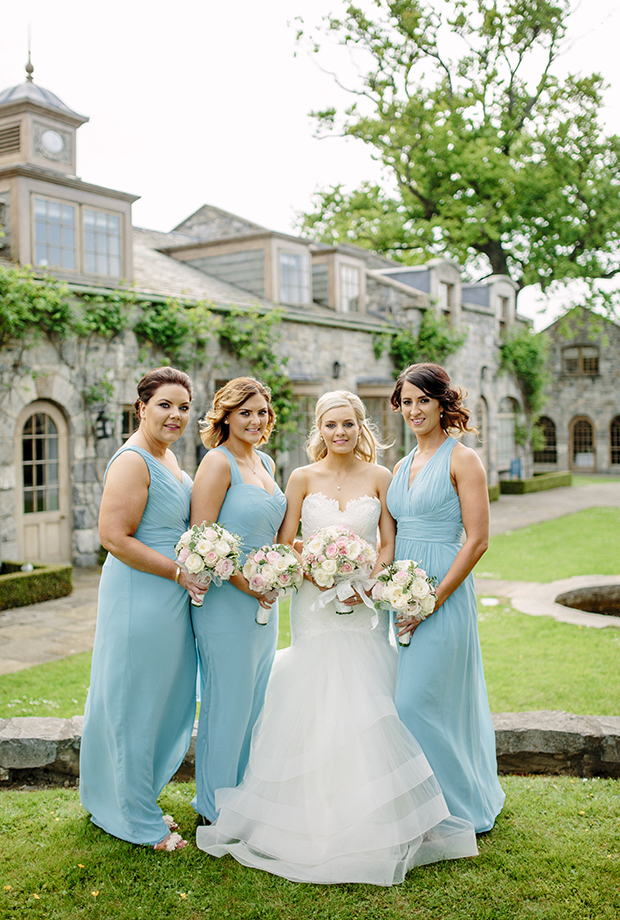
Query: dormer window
294	278
350	287
580	360
54	234
74	237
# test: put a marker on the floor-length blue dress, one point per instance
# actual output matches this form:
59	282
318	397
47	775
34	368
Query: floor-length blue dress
142	699
235	653
440	690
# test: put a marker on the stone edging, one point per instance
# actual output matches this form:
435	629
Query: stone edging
550	742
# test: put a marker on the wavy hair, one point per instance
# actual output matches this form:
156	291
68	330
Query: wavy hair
434	381
159	377
367	443
213	428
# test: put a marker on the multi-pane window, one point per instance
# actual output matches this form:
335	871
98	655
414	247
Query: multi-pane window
583	444
74	237
294	278
349	289
54	234
504	305
102	243
40	464
581	360
614	439
548	453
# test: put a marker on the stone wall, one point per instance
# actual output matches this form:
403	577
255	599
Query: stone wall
47	750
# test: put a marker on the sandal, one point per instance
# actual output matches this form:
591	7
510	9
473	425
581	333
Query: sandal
172	824
171	842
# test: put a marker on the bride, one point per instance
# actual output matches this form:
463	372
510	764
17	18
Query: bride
337	789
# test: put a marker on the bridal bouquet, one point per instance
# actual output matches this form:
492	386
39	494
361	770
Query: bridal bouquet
209	552
405	588
338	559
272	568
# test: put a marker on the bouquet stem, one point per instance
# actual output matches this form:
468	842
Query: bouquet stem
262	615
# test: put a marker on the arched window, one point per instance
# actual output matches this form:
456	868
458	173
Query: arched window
582	444
506	418
40	464
614	439
548	453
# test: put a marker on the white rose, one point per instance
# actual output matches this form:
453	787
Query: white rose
428	604
353	549
324	579
185	538
194	563
203	547
268	573
281	565
314	546
222	547
330	567
249	569
420	589
398	599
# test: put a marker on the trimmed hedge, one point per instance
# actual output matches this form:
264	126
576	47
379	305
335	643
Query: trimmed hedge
493	492
44	583
537	484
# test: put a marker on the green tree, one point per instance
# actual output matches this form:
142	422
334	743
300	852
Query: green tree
494	159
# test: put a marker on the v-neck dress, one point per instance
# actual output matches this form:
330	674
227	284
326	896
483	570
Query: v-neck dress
235	653
142	699
440	690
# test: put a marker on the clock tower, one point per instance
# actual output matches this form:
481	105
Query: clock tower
37	128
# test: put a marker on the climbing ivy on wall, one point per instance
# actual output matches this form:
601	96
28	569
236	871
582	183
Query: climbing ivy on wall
524	354
253	337
435	341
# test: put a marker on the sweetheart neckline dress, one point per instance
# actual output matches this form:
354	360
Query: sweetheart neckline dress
337	789
440	689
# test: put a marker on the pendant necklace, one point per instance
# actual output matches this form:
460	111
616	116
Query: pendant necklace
246	461
343	478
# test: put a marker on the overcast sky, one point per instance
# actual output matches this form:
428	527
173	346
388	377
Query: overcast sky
196	102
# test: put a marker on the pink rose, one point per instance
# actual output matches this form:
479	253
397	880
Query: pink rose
331	551
346	568
211	559
273	556
183	555
224	568
211	535
259	556
400	577
321	558
341	543
420	573
258	583
284	578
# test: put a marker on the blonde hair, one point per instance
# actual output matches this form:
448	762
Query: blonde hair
213	428
367	442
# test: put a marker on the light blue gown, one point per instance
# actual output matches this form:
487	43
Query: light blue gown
440	690
235	653
142	698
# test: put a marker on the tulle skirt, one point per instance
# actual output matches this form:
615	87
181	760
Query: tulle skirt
337	789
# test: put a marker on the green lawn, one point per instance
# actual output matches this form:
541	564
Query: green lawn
554	854
585	543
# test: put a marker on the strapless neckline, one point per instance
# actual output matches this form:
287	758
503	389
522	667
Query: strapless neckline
334	501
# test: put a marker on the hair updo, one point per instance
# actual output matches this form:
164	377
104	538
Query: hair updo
213	428
434	381
157	378
367	442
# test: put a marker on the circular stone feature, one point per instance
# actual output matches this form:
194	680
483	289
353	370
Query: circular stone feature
604	599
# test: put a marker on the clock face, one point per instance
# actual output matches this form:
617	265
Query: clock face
52	141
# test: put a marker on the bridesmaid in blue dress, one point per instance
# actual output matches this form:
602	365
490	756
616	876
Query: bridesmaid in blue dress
234	485
438	491
141	703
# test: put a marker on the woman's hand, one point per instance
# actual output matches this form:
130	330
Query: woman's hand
195	588
408	625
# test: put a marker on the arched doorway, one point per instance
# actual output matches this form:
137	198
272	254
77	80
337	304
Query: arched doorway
506	421
42	491
582	444
548	451
614	441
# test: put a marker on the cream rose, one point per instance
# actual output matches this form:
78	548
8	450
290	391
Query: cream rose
330	566
314	546
323	579
194	564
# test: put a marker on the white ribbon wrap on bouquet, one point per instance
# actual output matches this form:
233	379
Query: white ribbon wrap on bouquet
205	579
344	589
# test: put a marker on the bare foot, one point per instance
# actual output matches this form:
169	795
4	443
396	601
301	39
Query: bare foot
171	842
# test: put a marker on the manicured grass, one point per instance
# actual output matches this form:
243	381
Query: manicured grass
579	480
553	854
57	688
534	663
585	543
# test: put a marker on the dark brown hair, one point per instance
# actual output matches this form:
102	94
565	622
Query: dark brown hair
213	428
434	381
159	377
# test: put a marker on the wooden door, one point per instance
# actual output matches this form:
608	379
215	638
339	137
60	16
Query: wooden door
43	512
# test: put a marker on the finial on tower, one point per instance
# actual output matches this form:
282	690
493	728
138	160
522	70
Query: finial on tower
29	67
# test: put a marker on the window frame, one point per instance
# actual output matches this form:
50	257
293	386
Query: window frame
80	248
304	286
581	359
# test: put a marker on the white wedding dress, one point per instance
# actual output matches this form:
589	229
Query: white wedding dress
337	789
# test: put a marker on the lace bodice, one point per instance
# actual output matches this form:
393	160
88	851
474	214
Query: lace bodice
361	515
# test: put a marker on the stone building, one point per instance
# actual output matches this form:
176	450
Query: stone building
67	405
581	419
